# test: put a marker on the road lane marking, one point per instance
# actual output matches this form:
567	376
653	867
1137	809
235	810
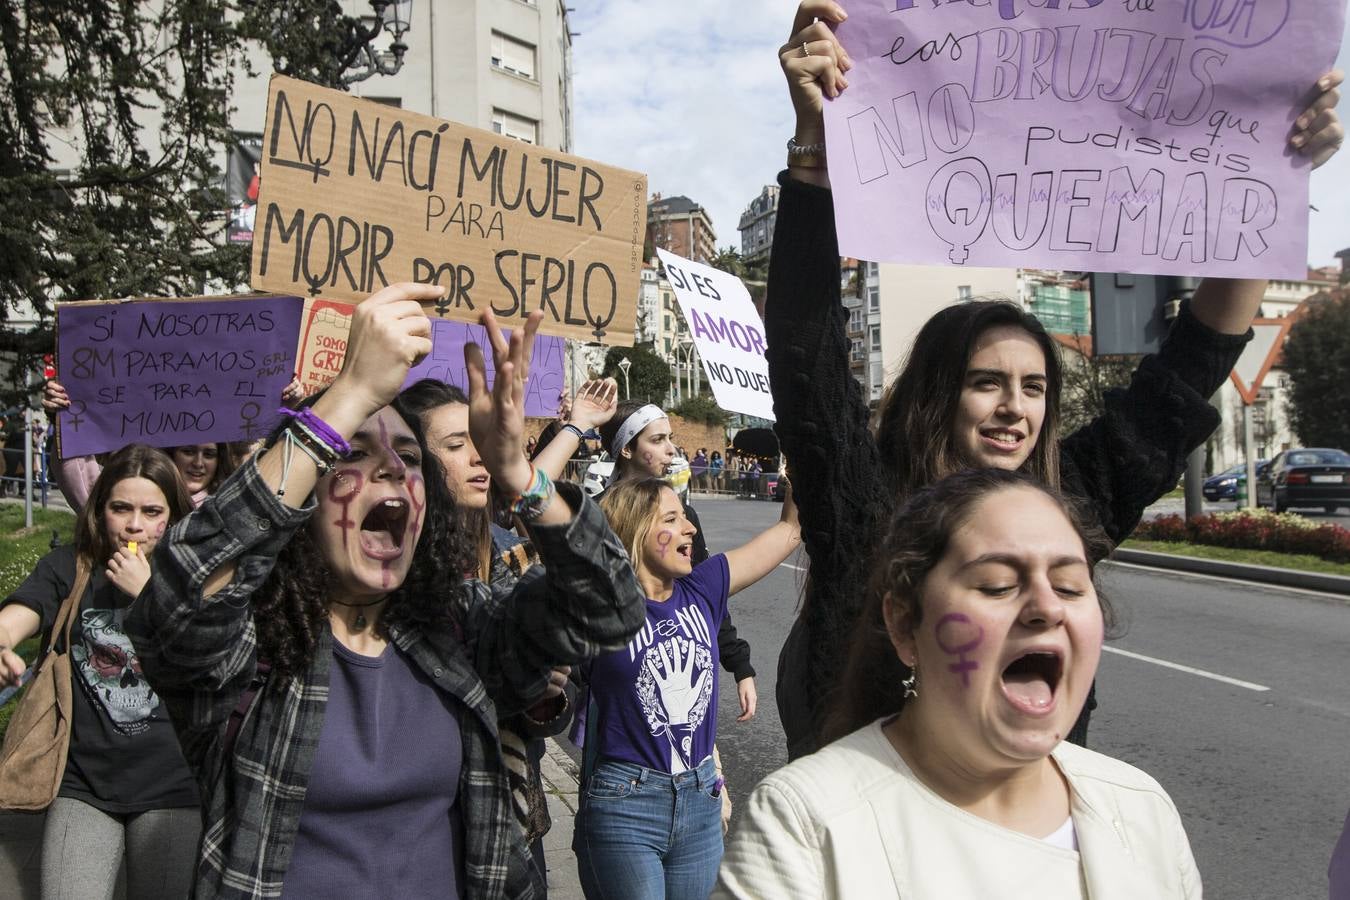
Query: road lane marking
1194	671
791	566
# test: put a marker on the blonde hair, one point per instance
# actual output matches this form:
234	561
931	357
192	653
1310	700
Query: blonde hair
632	506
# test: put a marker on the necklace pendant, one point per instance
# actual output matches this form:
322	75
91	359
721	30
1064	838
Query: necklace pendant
360	623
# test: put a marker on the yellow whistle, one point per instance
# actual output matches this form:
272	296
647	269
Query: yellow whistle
131	547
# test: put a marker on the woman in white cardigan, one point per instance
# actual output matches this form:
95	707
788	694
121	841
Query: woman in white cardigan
985	622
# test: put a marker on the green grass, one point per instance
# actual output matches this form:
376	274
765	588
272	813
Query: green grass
1301	562
20	549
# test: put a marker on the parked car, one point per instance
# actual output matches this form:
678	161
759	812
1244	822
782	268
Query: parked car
1305	477
1224	486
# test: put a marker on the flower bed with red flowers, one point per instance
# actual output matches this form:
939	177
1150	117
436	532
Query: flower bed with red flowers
1253	530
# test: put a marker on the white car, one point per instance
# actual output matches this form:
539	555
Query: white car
599	473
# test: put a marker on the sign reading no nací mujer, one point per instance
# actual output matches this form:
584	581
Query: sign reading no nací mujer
1099	135
356	195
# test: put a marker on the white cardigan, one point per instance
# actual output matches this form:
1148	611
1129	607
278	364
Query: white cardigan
852	821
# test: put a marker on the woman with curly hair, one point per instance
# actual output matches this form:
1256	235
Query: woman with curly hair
126	797
335	681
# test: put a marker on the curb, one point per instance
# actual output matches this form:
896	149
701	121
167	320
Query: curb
1291	578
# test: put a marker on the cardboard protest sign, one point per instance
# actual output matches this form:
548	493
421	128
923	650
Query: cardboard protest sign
356	195
323	346
727	331
1139	136
171	372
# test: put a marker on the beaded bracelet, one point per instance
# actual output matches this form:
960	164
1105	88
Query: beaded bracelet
318	429
530	503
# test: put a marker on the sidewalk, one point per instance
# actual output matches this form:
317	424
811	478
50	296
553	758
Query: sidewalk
21	838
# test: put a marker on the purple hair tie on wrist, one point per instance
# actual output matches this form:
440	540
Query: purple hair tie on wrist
319	428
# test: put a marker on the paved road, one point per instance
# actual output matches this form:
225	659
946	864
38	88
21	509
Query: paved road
1262	778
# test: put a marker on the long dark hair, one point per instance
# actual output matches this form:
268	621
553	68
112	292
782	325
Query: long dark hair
227	460
132	461
916	541
291	607
421	399
914	429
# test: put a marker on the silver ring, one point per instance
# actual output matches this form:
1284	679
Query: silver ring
805	48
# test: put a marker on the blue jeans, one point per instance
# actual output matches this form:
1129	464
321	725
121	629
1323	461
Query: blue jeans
644	835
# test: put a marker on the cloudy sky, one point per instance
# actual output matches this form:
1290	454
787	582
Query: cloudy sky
690	93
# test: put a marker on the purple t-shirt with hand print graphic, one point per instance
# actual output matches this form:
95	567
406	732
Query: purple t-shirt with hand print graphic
656	699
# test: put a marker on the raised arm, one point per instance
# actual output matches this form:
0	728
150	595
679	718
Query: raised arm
593	406
763	553
1136	450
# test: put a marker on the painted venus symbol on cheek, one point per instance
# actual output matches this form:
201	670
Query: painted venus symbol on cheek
343	477
962	623
663	541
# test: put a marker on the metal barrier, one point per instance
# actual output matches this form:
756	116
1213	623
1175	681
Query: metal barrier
735	484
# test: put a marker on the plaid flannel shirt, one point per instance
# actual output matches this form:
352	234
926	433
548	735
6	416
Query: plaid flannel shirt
201	654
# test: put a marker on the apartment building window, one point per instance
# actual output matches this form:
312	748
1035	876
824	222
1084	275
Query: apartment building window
512	55
874	298
518	127
876	339
963	292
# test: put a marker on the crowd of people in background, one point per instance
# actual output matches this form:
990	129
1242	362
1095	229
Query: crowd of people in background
326	663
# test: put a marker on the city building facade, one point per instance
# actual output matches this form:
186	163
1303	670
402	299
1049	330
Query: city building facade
757	224
681	226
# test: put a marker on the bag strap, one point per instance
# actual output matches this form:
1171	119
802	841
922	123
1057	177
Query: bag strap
240	712
65	616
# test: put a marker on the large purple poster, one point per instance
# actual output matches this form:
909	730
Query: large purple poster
171	372
446	363
1100	135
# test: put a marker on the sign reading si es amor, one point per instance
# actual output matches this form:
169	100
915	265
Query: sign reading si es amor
1097	135
323	347
356	195
727	331
171	372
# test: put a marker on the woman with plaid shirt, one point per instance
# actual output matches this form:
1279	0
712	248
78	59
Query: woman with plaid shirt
368	762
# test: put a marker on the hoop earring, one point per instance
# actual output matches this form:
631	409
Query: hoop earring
911	684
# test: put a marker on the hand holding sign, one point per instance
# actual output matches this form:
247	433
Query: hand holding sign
1318	132
1167	138
390	333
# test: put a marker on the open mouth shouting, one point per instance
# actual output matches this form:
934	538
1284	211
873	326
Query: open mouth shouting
383	529
685	551
1031	680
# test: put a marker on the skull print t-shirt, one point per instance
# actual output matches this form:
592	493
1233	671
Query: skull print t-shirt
657	697
124	755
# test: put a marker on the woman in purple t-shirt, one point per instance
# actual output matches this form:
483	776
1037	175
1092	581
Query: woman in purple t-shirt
650	818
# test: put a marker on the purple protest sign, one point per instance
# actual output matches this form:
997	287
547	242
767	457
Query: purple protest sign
171	372
1138	136
446	363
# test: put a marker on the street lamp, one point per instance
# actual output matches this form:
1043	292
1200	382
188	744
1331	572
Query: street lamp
393	16
624	365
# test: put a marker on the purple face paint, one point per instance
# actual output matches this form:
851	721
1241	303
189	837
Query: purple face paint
345	476
958	626
417	495
663	541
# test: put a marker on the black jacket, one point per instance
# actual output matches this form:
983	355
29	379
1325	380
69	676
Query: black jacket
1118	464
